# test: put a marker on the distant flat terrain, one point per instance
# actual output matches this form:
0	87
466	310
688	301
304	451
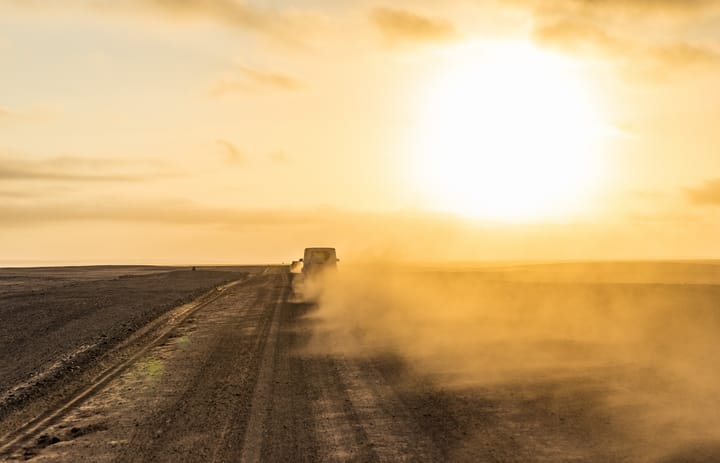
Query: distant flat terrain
23	280
230	364
53	321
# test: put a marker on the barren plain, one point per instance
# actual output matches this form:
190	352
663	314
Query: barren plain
552	363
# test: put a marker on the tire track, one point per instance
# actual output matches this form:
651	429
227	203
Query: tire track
31	429
231	383
203	421
339	430
255	428
392	429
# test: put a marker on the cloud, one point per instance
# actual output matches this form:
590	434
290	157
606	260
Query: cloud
666	217
238	14
233	155
580	8
269	79
577	36
29	174
167	211
66	169
659	63
249	80
707	194
626	31
16	194
685	54
361	236
648	60
233	12
398	25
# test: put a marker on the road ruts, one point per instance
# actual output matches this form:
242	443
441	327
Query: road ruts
233	383
186	399
329	407
213	391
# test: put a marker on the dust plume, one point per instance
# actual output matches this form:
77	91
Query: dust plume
646	348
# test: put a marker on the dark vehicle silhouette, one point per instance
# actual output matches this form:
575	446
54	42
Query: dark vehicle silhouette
317	260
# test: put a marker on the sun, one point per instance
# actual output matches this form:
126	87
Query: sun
508	133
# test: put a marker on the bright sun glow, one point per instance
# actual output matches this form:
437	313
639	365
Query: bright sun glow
509	134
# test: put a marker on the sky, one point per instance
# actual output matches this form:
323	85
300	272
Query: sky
230	131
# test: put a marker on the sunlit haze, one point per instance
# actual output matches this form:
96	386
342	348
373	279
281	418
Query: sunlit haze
360	230
241	131
511	133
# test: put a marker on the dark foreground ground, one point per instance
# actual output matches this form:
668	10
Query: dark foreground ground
54	322
237	376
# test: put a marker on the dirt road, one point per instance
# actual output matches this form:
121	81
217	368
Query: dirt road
228	379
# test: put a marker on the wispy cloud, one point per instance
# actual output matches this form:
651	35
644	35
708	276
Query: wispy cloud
685	54
269	79
626	33
154	211
249	80
233	155
16	194
10	173
706	194
64	169
398	25
649	60
238	14
577	36
233	12
666	217
583	8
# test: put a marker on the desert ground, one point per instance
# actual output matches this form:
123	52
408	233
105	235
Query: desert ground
611	362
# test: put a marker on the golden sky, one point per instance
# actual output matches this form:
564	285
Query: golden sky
171	131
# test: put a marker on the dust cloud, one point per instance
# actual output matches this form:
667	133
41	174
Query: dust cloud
647	346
